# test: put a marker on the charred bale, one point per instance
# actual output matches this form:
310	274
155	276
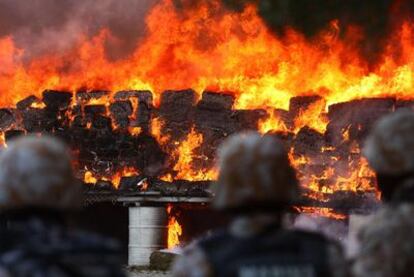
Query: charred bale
121	110
102	123
7	119
249	119
356	118
38	120
150	158
142	95
103	185
193	188
28	102
143	117
182	188
84	96
216	101
300	103
78	122
92	111
176	111
57	100
215	126
308	142
130	183
76	110
215	120
143	113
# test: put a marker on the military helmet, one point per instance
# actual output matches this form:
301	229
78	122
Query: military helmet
37	172
390	146
255	172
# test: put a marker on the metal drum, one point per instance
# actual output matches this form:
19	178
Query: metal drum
148	231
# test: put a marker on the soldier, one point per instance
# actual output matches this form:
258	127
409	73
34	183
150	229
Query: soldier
256	184
37	189
386	240
387	244
390	152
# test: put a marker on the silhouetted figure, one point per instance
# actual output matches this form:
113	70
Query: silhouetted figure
390	152
387	244
37	189
386	240
256	183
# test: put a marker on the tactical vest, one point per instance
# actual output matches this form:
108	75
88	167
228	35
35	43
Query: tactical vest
276	253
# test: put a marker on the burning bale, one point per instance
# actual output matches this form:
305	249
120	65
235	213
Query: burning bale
356	118
129	144
101	133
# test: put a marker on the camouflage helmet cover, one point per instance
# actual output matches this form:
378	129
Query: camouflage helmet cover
390	146
37	172
254	170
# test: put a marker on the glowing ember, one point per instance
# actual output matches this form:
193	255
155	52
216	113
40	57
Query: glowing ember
323	212
89	178
135	131
125	172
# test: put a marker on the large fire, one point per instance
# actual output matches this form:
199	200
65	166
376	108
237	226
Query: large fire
209	47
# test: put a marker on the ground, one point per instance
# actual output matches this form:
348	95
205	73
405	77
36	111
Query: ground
148	273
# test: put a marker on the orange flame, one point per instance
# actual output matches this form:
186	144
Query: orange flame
312	117
186	153
174	230
135	131
210	47
89	178
273	123
156	127
3	140
238	53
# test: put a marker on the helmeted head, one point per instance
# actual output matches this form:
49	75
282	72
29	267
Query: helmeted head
37	172
255	172
390	146
387	243
390	151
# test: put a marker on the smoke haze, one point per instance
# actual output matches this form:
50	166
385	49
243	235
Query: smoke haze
45	26
40	26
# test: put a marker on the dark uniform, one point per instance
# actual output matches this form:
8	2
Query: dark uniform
37	191
256	184
276	252
38	244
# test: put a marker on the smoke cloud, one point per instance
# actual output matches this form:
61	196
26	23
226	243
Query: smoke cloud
41	26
